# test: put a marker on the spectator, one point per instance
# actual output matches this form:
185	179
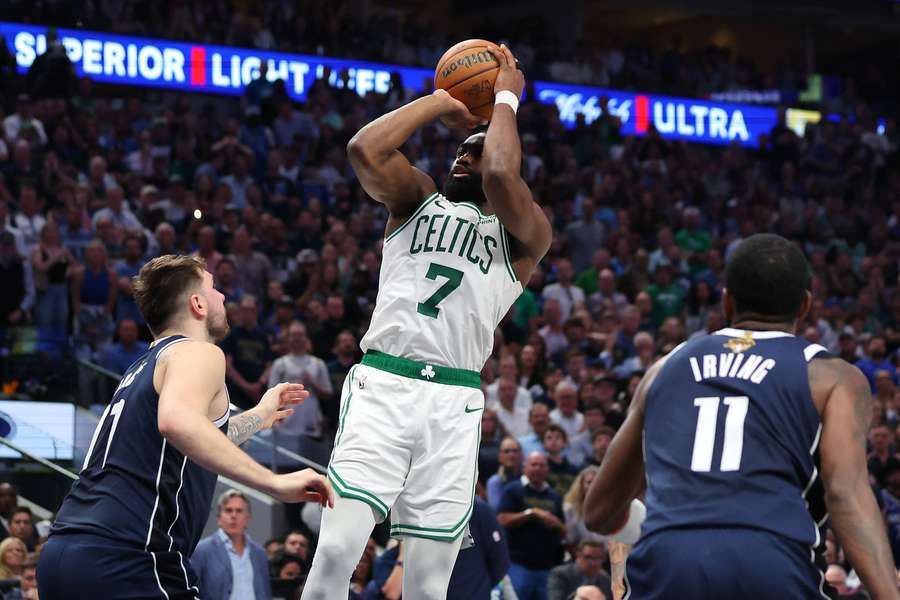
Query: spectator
513	416
510	469
876	360
126	269
229	564
297	544
889	498
531	513
287	566
554	339
564	291
21	525
119	356
28	581
580	449
667	297
584	236
23	116
12	558
13	282
573	504
539	420
585	570
206	249
247	357
606	296
566	413
600	441
300	366
562	472
492	434
509	368
335	322
254	269
9	499
883	457
94	296
29	221
272	548
644	357
589	592
117	211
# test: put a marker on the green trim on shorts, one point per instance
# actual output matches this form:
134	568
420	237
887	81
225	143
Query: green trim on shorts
427	201
446	534
422	371
340	430
347	491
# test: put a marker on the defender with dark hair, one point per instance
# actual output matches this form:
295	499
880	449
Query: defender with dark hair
133	518
751	439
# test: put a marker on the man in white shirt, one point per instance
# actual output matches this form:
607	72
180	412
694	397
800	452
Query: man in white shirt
563	291
566	413
513	416
509	369
298	365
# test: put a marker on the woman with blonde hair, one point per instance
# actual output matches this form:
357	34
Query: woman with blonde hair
573	509
12	557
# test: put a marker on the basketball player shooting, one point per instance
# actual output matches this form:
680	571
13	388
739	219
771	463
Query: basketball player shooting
454	262
134	516
752	438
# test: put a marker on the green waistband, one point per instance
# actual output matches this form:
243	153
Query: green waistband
424	371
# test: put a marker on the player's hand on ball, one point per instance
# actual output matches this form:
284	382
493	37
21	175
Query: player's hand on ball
303	486
276	404
456	115
510	77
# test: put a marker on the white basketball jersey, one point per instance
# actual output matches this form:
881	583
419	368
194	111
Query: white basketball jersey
446	282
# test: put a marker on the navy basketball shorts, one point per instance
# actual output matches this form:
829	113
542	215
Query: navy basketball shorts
720	563
87	566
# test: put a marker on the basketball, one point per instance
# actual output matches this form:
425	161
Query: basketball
468	71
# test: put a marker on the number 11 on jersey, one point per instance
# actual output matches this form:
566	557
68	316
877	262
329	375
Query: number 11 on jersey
705	435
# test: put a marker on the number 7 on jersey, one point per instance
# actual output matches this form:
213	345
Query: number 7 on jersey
454	279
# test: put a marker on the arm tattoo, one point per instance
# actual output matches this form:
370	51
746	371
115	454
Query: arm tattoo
241	427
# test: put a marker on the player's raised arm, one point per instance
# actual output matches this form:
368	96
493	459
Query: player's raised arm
502	162
851	504
383	171
194	372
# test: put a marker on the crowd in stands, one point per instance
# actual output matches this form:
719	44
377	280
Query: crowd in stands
96	183
365	30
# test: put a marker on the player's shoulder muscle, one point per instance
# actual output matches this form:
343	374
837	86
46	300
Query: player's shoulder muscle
832	374
191	362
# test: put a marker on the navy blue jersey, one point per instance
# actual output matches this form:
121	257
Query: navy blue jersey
731	436
135	488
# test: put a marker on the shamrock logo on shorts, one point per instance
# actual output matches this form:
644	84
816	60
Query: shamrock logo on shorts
428	372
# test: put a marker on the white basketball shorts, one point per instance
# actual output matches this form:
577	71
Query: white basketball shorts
407	444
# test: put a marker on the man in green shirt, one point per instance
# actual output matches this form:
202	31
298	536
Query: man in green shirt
691	238
667	296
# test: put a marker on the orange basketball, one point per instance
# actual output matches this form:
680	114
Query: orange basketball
468	71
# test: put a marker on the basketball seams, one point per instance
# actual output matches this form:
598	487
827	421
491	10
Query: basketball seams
450	60
462	81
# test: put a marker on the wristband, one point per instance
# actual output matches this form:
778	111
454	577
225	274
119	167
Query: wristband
507	97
